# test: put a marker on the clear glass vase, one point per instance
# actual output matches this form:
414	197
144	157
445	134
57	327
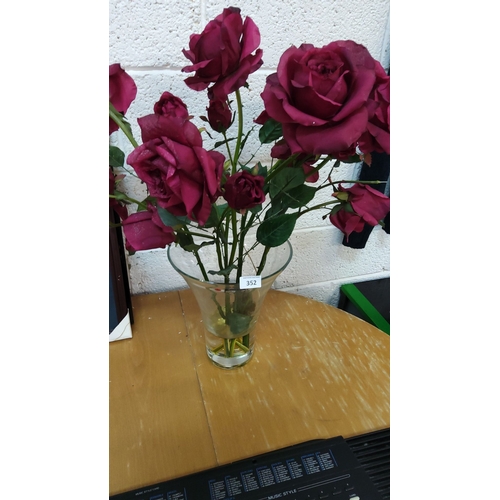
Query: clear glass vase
230	304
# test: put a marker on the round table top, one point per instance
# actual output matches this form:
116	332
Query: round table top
317	372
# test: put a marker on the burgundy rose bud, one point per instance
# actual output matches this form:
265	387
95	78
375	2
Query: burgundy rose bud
244	190
320	96
122	91
370	206
170	105
219	115
141	232
281	150
222	54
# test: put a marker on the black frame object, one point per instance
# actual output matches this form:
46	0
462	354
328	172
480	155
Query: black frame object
378	170
368	300
120	303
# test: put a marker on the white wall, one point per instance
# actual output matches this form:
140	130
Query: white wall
147	38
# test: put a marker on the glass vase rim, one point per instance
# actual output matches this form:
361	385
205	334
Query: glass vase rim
217	283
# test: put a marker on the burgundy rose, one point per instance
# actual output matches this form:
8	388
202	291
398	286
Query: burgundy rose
320	96
244	190
377	135
179	173
145	231
370	206
368	203
170	105
219	115
122	91
347	222
222	54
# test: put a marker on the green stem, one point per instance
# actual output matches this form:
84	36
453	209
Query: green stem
263	260
316	207
240	132
243	347
235	238
321	165
227	347
125	127
124	197
244	231
228	150
202	267
246	342
201	235
358	182
232	343
254	154
218	349
219	230
219	253
226	238
279	166
331	183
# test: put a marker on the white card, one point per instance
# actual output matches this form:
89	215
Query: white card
250	282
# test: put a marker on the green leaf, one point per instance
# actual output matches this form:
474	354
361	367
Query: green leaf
277	208
244	302
238	323
120	196
116	157
299	197
243	142
260	169
348	207
193	247
275	231
184	240
335	209
285	180
224	272
221	143
213	218
221	235
221	209
171	220
271	131
256	209
203	129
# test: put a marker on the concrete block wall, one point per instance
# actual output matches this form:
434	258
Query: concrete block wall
147	39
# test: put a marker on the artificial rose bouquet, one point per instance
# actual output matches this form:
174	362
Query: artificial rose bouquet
323	106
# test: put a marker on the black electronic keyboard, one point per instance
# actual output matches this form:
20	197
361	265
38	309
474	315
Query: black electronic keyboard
337	469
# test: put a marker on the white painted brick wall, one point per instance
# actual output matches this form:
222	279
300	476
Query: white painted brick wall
147	39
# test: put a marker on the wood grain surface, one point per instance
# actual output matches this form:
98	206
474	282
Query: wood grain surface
317	372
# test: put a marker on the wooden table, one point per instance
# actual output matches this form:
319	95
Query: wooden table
317	372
